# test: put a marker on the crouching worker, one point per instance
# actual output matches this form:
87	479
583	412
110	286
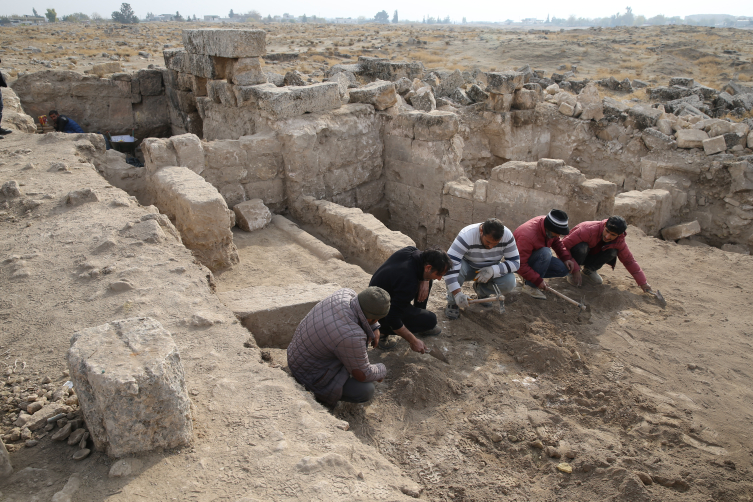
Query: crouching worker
63	123
596	243
407	276
536	238
328	352
477	254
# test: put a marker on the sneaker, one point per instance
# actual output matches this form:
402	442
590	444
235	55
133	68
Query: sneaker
386	342
452	312
592	276
5	131
534	292
571	280
430	332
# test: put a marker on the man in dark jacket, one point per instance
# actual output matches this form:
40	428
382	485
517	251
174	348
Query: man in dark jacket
596	243
63	123
3	132
407	276
536	238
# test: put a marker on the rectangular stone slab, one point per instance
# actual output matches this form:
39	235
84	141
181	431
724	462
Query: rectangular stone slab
272	313
226	43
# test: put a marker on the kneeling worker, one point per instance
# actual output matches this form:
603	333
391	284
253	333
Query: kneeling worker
596	243
328	352
63	123
536	238
477	253
407	276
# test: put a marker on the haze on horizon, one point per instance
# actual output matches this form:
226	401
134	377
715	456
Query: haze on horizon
480	11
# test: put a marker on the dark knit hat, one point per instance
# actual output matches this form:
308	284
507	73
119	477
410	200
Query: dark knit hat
556	222
617	224
375	302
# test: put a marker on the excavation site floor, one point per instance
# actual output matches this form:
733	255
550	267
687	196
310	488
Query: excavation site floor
627	401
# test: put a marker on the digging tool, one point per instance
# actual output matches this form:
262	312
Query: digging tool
488	299
580	305
658	296
436	353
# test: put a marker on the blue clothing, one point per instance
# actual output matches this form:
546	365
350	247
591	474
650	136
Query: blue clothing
546	265
66	124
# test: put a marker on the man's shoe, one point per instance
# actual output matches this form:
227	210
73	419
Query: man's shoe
430	332
5	131
386	342
534	292
592	276
452	312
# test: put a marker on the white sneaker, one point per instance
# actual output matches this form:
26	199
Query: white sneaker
534	292
592	276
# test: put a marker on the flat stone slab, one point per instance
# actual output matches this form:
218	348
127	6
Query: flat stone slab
130	383
226	43
283	102
272	313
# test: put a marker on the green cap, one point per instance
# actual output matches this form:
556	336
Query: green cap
375	302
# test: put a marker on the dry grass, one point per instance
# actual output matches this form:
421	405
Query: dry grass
427	57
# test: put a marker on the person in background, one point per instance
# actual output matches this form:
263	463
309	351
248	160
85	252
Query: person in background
3	83
63	123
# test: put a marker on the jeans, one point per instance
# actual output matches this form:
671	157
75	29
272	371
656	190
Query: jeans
505	282
357	392
593	261
546	265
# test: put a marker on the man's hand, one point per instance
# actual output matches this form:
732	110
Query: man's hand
417	345
646	287
543	286
461	299
375	341
423	291
577	277
571	265
485	274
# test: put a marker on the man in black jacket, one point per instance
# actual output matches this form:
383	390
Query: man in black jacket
407	276
3	132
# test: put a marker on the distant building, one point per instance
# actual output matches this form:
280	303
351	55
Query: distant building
164	17
212	18
532	20
345	20
19	20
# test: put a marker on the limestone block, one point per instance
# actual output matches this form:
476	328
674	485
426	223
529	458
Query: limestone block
566	109
272	313
733	139
225	153
188	152
462	188
6	468
655	140
477	94
369	194
150	82
434	126
424	100
505	82
499	102
158	153
749	140
226	43
83	196
458	208
681	231
714	145
234	194
200	215
343	84
184	82
130	383
252	215
649	210
479	190
246	71
123	175
105	68
691	138
665	127
460	97
198	86
272	192
380	94
524	99
590	100
517	204
516	173
282	102
741	174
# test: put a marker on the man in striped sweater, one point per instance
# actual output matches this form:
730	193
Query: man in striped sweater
477	254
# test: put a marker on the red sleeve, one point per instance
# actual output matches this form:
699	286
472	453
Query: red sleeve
626	257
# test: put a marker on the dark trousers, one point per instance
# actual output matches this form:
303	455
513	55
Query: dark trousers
415	317
1	105
593	262
546	265
357	392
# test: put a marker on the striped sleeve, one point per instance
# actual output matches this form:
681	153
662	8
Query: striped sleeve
457	251
510	253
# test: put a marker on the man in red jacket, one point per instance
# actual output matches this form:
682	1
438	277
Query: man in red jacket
595	243
536	238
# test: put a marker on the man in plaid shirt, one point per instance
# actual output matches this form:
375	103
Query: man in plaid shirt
328	352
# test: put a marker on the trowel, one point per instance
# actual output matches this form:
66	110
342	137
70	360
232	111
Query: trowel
436	353
658	296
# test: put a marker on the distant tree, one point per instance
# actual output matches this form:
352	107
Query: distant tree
547	19
464	21
51	15
253	15
96	16
269	18
382	17
304	19
125	15
76	17
4	20
150	15
232	14
35	12
177	16
394	18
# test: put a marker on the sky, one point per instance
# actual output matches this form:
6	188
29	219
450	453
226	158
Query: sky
479	10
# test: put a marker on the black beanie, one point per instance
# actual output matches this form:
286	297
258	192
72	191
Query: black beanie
617	224
556	222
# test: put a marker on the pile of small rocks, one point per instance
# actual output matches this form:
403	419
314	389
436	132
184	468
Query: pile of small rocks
34	411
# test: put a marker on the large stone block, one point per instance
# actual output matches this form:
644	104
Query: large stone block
189	152
505	82
226	43
677	232
130	384
150	82
6	468
252	215
282	102
691	138
649	210
424	100
246	71
381	94
714	145
434	126
272	192
158	153
200	214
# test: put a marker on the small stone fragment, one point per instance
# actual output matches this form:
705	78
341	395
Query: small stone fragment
81	454
30	443
76	436
78	197
644	477
63	433
565	467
